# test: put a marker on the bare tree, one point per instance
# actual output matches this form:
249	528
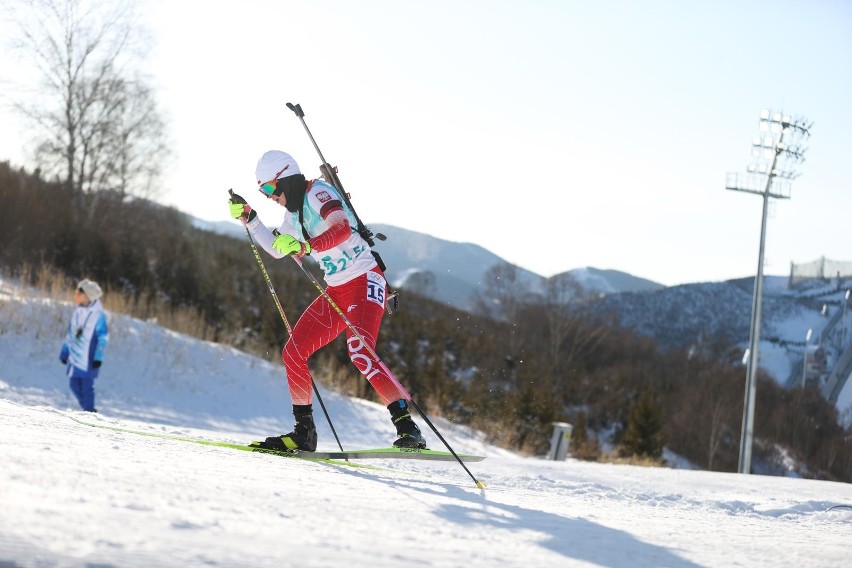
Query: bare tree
717	427
503	293
96	123
568	335
502	298
560	289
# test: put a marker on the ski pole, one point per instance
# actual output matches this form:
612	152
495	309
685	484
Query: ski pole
384	367
287	323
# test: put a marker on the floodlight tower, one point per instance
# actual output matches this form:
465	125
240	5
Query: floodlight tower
776	151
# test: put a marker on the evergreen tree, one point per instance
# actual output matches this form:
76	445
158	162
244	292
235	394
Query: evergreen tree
644	433
582	446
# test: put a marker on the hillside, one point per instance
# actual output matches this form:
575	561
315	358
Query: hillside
74	495
453	273
693	315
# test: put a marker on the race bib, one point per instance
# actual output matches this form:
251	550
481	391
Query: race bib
376	288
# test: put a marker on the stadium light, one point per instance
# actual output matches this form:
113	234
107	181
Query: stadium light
775	151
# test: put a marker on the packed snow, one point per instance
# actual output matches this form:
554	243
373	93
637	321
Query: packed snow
75	491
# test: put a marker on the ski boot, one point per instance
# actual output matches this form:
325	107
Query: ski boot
408	432
303	437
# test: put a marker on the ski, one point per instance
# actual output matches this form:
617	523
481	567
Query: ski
332	457
374	453
229	445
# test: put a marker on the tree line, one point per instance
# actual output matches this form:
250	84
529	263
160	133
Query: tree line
510	373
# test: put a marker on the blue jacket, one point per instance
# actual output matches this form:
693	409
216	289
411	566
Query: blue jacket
86	340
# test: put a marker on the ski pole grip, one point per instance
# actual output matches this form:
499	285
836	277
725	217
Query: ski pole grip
297	108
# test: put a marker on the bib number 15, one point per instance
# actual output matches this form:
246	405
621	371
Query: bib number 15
376	288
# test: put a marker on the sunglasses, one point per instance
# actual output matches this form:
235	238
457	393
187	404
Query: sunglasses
270	188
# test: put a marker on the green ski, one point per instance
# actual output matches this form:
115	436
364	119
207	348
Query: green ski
376	453
333	457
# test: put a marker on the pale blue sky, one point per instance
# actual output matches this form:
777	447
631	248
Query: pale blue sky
555	134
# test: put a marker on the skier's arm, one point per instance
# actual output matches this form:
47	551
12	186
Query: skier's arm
263	236
242	211
337	232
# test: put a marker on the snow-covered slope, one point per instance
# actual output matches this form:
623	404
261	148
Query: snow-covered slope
72	495
594	281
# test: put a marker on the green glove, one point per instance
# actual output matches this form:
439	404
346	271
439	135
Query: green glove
287	244
240	209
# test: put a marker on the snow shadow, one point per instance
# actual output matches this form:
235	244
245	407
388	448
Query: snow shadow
574	538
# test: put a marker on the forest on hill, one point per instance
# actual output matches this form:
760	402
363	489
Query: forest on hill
511	373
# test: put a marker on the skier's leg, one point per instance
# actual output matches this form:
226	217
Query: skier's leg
316	328
366	308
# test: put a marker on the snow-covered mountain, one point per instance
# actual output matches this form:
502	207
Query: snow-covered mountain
449	272
691	314
228	228
599	282
78	490
453	273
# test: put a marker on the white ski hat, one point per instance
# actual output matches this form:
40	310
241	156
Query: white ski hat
91	289
274	165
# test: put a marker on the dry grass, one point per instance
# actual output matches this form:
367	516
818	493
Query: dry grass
45	282
643	461
187	321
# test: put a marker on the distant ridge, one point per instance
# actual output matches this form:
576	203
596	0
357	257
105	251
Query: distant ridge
595	280
453	273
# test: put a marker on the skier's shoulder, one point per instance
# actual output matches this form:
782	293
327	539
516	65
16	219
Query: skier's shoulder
322	193
320	184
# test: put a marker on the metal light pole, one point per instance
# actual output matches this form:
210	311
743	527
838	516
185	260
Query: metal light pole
805	356
774	151
845	308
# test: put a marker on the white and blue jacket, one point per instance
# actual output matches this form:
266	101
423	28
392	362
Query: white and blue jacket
86	341
341	263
